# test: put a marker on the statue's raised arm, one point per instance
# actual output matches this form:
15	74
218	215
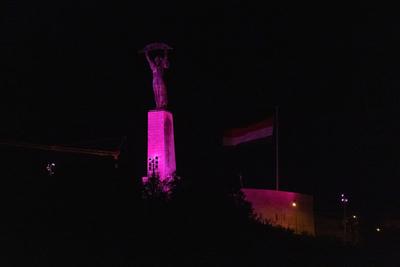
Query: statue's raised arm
151	63
165	60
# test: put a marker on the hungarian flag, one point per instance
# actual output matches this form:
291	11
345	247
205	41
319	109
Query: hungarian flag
259	130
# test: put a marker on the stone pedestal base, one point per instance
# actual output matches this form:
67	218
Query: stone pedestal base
160	145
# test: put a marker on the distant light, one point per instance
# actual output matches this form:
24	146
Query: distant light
378	229
343	198
50	167
294	204
354	217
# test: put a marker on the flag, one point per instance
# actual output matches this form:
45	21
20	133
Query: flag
259	130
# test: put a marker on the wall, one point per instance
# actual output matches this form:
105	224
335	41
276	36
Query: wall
286	209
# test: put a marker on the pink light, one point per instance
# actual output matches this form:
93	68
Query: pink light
160	145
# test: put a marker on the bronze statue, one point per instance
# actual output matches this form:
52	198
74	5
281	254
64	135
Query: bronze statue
158	65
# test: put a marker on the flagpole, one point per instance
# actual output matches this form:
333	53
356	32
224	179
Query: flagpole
276	127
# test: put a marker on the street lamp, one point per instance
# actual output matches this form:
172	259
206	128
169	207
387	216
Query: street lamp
50	167
344	200
294	205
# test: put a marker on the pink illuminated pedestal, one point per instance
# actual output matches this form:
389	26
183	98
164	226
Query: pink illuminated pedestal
160	145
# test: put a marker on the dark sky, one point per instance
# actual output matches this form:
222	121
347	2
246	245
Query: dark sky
70	73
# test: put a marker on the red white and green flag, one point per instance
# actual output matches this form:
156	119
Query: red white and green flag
259	130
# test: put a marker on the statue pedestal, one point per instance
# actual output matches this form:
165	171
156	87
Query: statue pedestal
160	145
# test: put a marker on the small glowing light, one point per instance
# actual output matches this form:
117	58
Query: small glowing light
354	217
378	229
294	204
50	168
343	198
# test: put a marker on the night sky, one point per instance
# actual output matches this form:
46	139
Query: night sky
71	74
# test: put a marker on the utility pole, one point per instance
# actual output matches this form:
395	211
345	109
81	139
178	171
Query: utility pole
241	180
276	128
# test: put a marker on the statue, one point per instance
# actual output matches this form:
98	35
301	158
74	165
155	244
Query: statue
158	65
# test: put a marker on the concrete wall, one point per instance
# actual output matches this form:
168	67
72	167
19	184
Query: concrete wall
286	209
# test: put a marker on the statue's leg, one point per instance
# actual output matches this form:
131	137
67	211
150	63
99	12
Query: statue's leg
156	94
163	95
